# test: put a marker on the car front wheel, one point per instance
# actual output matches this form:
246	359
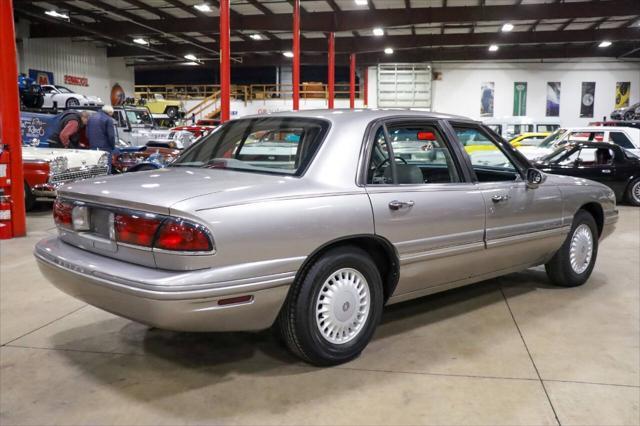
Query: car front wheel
573	263
72	102
172	112
332	312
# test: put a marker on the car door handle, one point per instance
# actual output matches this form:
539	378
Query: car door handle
397	205
606	171
499	198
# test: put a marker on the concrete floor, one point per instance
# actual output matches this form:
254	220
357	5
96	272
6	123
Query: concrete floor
510	351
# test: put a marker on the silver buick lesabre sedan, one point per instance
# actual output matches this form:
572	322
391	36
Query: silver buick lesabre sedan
313	221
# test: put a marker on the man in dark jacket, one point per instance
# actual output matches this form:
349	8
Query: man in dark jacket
69	130
100	131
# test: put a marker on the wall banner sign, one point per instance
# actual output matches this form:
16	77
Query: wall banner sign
41	77
76	81
487	90
623	90
117	95
553	99
587	99
519	98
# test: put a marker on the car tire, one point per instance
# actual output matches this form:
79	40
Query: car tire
172	112
628	116
633	192
29	198
72	102
333	309
573	263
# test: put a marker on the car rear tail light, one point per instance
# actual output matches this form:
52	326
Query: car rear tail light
138	229
179	235
62	213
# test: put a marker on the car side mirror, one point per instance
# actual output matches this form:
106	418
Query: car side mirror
535	178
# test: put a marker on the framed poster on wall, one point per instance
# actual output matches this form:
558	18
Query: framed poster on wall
41	77
623	90
486	99
587	99
553	98
519	98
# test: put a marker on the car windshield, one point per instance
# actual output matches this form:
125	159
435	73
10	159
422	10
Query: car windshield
561	155
282	145
550	140
63	89
139	117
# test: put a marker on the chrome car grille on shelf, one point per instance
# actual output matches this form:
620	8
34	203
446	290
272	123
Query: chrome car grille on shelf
79	174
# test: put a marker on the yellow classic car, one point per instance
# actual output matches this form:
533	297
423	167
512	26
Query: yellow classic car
159	105
529	139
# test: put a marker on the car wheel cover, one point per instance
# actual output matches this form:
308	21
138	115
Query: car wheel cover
581	249
635	192
73	102
342	306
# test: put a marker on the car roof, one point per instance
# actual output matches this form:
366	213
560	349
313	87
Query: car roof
364	114
601	129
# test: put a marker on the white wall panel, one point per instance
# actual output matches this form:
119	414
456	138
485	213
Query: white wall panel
61	56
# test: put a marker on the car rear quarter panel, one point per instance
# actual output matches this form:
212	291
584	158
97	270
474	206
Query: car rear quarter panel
576	196
275	236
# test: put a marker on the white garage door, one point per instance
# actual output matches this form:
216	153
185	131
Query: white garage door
404	86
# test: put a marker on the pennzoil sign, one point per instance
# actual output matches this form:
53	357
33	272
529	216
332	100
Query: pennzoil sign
76	81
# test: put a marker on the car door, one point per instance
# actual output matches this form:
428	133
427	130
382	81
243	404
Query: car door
524	224
424	203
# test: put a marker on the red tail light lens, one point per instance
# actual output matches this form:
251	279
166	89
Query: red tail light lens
62	213
178	235
137	229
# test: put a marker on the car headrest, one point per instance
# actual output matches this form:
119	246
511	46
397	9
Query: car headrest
407	174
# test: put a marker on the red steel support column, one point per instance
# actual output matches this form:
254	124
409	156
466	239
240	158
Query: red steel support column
331	79
366	87
352	81
10	116
225	62
296	55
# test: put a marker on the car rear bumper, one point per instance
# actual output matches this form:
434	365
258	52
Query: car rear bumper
78	273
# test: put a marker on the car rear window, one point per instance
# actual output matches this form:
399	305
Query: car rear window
283	145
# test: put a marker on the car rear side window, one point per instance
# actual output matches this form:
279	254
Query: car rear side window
283	145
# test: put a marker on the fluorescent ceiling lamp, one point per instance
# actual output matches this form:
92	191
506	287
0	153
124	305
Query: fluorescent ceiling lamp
388	51
507	27
378	32
256	37
362	2
141	41
56	14
191	57
493	48
202	7
288	54
191	63
604	43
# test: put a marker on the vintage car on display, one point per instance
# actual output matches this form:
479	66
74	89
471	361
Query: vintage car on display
614	123
47	169
529	139
60	96
158	105
318	241
627	113
603	162
510	127
140	158
136	128
197	130
31	93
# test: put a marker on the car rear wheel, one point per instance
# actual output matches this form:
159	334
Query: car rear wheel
573	263
633	192
72	102
172	112
629	115
332	312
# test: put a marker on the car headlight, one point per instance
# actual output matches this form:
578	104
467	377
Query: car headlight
58	165
103	161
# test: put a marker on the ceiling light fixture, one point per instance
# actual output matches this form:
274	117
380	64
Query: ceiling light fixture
56	14
507	27
190	63
604	43
378	32
288	54
388	51
141	41
191	57
256	37
362	2
493	48
202	7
